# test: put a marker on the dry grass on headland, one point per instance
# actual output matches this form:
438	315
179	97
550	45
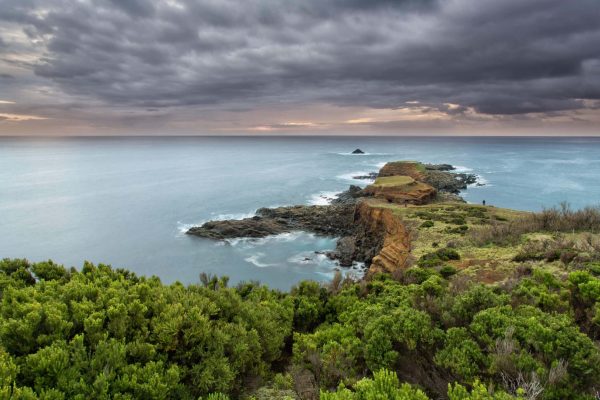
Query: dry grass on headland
557	219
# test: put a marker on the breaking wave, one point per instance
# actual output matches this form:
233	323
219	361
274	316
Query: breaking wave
323	198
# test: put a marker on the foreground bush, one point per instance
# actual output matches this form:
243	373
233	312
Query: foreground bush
102	333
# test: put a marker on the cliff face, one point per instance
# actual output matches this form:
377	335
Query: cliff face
381	237
412	193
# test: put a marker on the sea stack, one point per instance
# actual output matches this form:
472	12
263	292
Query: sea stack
358	151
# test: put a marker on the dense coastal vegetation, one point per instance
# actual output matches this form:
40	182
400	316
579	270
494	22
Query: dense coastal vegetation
459	302
438	329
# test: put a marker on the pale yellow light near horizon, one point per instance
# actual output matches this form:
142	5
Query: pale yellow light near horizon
412	113
289	124
19	117
359	121
299	124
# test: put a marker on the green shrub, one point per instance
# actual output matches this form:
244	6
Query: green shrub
384	385
462	229
457	221
447	271
594	268
427	224
447	254
438	257
418	275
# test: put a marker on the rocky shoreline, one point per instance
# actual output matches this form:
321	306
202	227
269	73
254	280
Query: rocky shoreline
329	220
367	231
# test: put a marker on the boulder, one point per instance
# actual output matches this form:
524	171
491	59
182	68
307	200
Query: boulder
439	167
344	251
349	196
449	182
370	176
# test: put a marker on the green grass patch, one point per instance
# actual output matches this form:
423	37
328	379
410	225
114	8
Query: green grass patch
391	181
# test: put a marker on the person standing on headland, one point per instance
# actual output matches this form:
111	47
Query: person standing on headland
483	202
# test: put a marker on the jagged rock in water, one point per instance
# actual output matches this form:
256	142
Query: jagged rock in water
345	250
349	196
439	167
370	176
449	182
358	151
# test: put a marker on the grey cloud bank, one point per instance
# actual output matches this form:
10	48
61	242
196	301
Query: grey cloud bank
217	64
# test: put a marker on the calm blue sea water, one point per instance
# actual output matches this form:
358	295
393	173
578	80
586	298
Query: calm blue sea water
126	201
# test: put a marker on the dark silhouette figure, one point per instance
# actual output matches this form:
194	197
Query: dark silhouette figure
483	202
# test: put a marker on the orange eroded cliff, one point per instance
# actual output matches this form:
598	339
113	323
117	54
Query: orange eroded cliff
403	192
380	229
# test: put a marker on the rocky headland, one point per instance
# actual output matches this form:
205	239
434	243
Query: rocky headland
364	220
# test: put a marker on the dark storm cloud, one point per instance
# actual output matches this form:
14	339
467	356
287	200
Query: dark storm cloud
499	57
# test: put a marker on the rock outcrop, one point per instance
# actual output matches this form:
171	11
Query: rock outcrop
325	220
436	175
363	219
358	151
349	196
370	176
401	190
449	182
345	251
439	167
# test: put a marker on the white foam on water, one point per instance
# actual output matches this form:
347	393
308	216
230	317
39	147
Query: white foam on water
358	265
183	227
350	177
461	169
255	260
249	242
363	154
378	165
290	236
481	181
323	198
223	217
311	258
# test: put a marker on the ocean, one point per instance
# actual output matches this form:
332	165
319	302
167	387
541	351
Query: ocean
128	201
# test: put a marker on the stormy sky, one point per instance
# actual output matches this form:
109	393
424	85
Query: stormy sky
219	67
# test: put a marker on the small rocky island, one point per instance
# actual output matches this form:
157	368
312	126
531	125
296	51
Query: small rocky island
365	220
